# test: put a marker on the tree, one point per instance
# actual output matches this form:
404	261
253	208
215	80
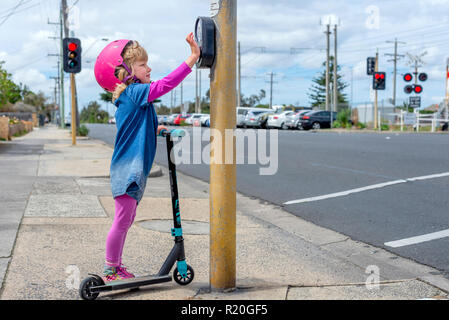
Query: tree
317	94
9	91
253	99
93	114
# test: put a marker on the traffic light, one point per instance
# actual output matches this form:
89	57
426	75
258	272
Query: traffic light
408	77
417	88
72	55
413	88
379	81
422	77
370	65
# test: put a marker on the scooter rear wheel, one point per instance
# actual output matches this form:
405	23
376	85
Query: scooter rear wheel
183	281
85	286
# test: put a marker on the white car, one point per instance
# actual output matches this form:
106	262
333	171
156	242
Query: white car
278	120
196	116
204	118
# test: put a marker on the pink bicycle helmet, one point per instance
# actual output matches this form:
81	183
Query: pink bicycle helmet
109	59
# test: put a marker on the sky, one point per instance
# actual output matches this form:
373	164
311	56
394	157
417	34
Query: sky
285	37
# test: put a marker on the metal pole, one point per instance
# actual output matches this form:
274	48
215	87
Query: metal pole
335	91
271	90
73	121
223	176
196	90
62	107
375	93
395	70
327	66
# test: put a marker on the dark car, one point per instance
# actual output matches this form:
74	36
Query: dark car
317	120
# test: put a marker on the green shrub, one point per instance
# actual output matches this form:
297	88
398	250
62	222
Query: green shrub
361	125
336	124
83	131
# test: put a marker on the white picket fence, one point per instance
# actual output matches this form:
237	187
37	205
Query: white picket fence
416	119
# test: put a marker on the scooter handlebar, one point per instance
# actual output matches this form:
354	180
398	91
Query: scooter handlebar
173	133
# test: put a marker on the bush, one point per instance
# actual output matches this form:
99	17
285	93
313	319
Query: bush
384	127
361	125
83	131
344	117
336	124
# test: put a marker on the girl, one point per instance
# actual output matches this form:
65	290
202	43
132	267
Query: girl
121	68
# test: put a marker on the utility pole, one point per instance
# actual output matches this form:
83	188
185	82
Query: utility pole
223	169
239	93
375	92
446	100
182	94
395	61
271	88
335	91
196	89
327	64
60	72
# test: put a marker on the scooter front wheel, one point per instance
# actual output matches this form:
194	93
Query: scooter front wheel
179	279
85	286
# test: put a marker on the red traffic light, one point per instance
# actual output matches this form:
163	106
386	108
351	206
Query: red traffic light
377	76
72	46
418	88
408	77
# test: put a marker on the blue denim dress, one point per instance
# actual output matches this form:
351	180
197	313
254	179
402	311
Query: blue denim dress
135	143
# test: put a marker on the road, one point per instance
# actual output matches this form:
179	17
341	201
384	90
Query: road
374	188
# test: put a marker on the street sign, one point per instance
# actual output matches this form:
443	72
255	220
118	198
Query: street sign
415	102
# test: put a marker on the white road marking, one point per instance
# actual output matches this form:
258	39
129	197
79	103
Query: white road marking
418	239
371	187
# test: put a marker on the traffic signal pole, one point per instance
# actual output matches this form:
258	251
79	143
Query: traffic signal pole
73	121
375	93
223	175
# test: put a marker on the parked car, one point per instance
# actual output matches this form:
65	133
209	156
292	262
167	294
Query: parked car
292	121
193	117
241	114
277	120
317	120
171	119
180	118
203	119
162	119
254	118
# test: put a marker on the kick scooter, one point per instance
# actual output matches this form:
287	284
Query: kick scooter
183	274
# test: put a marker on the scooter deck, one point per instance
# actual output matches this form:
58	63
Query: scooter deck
131	283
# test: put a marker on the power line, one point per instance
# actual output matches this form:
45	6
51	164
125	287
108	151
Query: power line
12	12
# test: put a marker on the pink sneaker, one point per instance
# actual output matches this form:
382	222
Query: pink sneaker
123	273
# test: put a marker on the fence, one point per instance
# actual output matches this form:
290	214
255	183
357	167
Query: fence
417	120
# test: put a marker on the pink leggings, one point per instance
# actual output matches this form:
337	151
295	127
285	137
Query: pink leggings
125	212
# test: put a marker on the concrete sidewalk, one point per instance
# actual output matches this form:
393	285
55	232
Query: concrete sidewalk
57	209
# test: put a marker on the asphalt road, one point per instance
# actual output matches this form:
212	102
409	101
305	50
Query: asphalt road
397	185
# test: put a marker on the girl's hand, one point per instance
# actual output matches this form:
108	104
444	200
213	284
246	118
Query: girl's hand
193	45
160	128
195	50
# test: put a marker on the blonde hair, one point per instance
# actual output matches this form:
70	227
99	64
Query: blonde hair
132	52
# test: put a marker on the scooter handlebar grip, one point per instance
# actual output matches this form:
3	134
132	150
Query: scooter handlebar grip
177	133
